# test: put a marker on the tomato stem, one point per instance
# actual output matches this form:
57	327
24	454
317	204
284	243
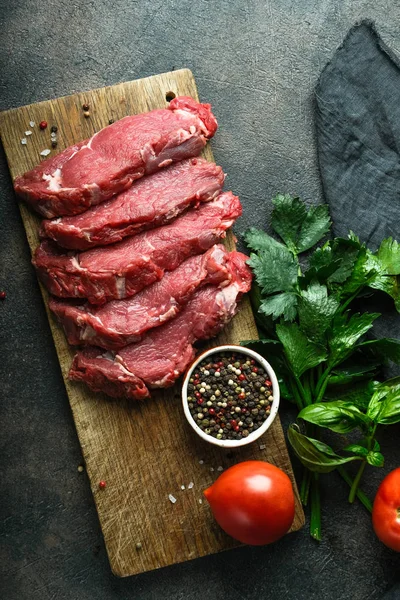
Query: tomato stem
315	521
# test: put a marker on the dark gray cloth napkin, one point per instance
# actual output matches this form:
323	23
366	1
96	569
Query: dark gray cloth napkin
358	138
358	126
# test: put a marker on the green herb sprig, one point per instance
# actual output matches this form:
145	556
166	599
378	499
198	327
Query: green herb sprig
316	339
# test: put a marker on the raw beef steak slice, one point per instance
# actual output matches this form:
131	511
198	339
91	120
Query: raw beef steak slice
149	202
121	322
122	270
165	352
92	171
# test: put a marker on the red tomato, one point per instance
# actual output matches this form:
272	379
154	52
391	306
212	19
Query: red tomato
386	511
253	502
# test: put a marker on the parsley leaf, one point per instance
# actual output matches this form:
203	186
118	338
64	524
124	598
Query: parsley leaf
284	304
316	224
301	353
389	256
259	240
287	218
299	229
346	332
316	311
275	269
384	348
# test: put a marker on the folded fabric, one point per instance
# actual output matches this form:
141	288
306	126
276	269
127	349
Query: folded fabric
358	137
358	125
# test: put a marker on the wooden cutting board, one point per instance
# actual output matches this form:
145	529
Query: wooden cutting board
144	451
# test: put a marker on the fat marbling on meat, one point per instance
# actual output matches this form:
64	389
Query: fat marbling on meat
92	171
165	352
150	202
125	268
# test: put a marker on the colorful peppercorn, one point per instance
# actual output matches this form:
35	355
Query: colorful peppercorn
43	124
230	388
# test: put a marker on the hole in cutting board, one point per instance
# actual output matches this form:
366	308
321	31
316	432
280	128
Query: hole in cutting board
170	96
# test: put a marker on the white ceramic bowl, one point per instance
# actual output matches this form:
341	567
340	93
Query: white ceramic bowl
252	437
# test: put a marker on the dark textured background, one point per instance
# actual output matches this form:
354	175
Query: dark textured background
257	62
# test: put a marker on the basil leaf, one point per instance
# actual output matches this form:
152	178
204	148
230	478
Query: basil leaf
390	409
316	311
389	256
337	416
301	353
375	459
357	450
384	406
346	332
280	305
315	455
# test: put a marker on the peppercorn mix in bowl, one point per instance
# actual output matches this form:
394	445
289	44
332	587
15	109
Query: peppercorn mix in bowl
230	396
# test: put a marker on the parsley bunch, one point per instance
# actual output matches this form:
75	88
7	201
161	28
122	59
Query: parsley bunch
313	333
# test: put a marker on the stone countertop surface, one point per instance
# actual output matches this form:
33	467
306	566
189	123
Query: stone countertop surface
257	62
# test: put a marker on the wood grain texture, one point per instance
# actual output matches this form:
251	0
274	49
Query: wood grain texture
144	451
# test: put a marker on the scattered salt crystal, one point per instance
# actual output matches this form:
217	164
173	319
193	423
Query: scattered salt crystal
220	468
201	462
53	135
172	498
183	487
191	484
200	501
262	446
45	152
31	123
211	469
23	141
28	132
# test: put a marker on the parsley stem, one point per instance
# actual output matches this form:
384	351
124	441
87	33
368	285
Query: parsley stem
360	494
303	392
349	300
322	385
297	396
315	521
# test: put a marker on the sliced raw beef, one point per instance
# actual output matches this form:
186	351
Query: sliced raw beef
164	353
122	270
148	203
94	170
121	322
